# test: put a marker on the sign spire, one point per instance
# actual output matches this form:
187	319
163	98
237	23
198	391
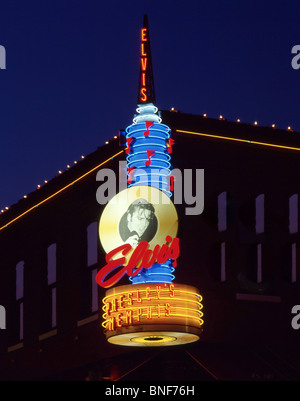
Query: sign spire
146	93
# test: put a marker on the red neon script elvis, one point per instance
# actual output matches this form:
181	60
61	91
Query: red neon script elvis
142	257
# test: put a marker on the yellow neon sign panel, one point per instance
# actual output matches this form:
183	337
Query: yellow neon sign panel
151	304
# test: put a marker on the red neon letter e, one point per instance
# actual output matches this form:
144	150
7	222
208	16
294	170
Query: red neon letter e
111	266
144	34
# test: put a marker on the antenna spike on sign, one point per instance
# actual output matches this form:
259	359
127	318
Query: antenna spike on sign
146	93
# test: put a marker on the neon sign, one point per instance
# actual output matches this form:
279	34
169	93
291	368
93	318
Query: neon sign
138	230
141	258
148	153
146	86
143	90
166	305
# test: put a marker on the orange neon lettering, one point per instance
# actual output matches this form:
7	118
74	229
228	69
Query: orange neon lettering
144	63
129	298
111	324
114	305
148	293
143	79
158	288
172	290
167	309
143	50
128	317
107	305
144	98
141	256
121	305
144	34
139	314
149	312
138	299
118	322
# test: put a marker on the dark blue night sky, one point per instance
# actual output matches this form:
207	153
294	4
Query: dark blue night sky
71	75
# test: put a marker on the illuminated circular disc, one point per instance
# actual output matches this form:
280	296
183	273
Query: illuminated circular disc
153	338
113	221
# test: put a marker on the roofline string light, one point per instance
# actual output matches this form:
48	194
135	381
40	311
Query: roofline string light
249	141
289	128
60	190
152	314
221	117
